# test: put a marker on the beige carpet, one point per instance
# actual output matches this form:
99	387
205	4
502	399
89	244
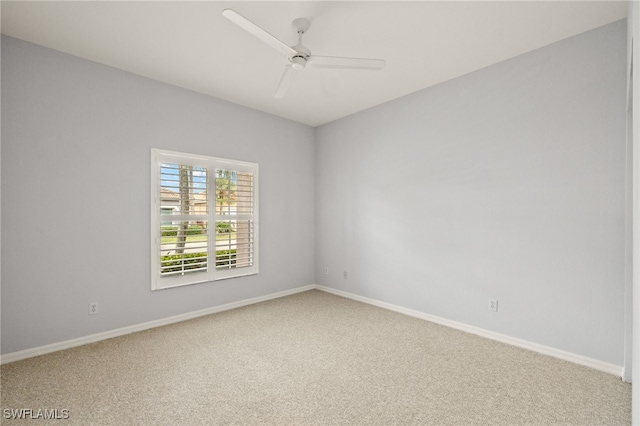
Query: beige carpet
311	358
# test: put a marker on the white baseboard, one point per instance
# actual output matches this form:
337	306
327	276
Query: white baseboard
546	350
54	347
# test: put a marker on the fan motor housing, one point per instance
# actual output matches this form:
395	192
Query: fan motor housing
298	62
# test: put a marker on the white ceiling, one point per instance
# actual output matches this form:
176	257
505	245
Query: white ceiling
191	45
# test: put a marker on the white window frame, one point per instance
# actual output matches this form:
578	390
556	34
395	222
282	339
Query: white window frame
160	156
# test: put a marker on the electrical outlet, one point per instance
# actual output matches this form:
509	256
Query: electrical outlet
93	308
344	275
326	270
493	305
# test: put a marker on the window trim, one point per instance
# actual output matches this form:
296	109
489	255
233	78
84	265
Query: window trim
159	156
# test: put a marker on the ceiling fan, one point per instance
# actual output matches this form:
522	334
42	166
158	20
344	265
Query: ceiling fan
298	55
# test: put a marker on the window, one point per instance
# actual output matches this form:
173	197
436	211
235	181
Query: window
204	219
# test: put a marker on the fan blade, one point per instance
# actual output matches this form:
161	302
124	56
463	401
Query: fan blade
285	82
346	63
249	26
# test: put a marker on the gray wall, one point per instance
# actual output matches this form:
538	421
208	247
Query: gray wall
76	139
506	183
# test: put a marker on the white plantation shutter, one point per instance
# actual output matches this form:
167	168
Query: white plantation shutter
234	216
187	186
203	219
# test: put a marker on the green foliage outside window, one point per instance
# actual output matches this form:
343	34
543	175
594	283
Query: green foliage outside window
187	261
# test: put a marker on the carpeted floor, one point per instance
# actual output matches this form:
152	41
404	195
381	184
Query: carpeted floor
311	358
